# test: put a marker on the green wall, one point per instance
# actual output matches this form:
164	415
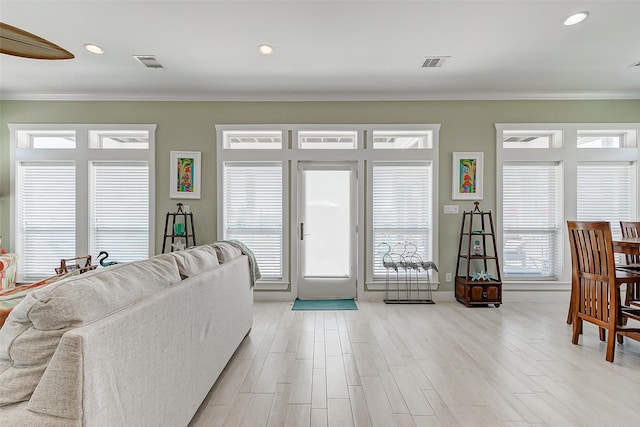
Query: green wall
466	126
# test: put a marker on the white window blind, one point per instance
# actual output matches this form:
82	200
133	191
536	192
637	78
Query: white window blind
402	216
253	212
604	191
119	210
531	220
46	217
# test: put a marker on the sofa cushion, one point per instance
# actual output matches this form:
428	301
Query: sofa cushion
226	251
196	260
11	297
32	332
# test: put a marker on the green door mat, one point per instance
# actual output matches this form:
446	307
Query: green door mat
324	304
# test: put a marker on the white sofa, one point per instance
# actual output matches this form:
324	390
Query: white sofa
136	344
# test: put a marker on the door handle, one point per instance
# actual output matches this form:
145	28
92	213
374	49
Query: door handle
302	231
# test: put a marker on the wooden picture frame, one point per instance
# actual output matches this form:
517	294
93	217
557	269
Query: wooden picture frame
184	173
468	169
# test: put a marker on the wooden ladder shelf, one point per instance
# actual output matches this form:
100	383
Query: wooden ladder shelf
478	280
178	226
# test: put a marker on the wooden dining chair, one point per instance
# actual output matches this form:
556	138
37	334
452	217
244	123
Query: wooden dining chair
632	229
595	284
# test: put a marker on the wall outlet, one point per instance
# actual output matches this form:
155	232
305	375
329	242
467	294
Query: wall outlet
451	209
447	277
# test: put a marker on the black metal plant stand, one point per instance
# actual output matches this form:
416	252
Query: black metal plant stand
177	226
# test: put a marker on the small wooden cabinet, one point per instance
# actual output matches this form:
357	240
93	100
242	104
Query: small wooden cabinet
478	280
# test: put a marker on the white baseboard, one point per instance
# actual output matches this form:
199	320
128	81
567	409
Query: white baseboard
507	296
536	296
379	296
274	296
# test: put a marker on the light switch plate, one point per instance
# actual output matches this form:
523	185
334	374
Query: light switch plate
451	209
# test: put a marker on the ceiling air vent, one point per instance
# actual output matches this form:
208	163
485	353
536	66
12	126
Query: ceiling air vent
148	61
434	61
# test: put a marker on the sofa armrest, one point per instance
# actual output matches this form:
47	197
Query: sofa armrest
59	392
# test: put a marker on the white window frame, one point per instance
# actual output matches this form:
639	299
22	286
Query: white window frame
82	155
363	155
249	155
564	150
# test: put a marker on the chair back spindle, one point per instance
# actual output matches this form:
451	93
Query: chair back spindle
631	229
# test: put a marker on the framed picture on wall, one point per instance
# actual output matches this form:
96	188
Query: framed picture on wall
467	176
185	175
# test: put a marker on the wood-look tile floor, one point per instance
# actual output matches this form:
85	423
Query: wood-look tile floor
423	365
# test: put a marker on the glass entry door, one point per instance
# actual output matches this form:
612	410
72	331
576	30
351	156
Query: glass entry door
327	230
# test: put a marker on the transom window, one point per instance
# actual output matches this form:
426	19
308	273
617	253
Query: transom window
328	140
118	139
606	139
253	140
402	140
530	139
46	139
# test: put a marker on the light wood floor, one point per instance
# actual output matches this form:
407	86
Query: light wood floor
423	365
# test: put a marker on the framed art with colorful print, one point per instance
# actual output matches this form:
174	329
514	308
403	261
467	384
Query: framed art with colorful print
467	176
185	175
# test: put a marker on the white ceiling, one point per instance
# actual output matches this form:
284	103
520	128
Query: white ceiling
327	50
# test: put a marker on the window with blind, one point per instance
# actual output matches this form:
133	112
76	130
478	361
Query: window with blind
253	212
94	192
531	212
46	216
119	210
402	214
603	193
548	174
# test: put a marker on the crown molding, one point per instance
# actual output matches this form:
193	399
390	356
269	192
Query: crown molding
324	96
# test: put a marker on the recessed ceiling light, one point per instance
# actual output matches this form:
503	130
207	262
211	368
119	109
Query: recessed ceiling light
576	18
265	49
93	48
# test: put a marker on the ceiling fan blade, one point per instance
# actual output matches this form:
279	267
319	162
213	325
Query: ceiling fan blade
17	42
